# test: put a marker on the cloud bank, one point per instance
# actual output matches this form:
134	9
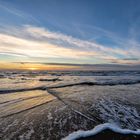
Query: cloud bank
33	43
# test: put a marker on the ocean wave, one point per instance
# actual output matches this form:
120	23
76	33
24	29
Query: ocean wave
99	128
84	83
70	73
51	79
100	83
5	91
94	73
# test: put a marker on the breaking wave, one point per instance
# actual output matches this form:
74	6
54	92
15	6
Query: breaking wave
100	83
86	83
120	121
99	128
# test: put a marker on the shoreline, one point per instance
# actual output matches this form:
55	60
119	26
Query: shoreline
106	130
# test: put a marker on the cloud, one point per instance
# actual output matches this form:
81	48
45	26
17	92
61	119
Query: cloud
38	33
38	42
35	48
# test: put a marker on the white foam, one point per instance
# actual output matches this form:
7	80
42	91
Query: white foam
98	129
123	115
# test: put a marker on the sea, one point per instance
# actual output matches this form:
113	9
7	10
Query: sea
69	105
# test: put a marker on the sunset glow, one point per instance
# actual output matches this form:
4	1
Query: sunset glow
33	68
25	36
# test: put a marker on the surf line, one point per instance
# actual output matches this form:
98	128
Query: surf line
99	128
71	85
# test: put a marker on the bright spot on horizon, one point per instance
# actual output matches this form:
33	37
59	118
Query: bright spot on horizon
32	68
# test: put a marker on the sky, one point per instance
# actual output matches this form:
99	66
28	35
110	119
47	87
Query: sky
34	33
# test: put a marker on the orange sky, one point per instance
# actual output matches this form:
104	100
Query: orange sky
34	66
40	66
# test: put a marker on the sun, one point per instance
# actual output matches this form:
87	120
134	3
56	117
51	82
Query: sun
33	68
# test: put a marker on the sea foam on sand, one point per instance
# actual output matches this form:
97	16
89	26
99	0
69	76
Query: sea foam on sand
98	129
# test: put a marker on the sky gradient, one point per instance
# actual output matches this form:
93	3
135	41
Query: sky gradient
38	32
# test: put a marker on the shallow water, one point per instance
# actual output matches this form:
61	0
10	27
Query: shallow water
40	105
